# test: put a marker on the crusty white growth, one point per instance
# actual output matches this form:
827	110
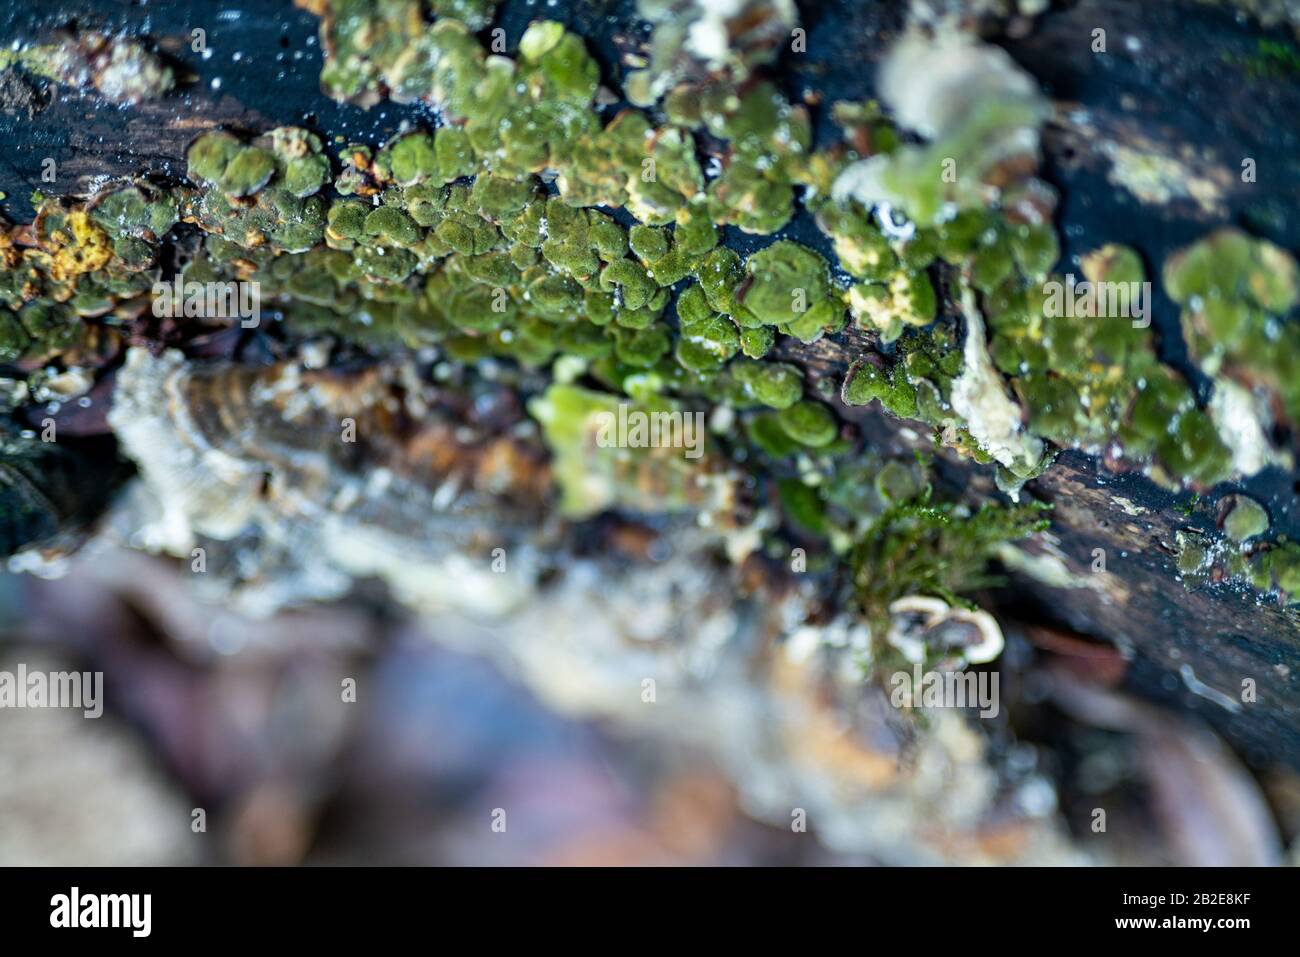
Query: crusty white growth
930	82
695	39
974	11
862	181
198	490
979	396
941	84
1242	422
315	525
709	36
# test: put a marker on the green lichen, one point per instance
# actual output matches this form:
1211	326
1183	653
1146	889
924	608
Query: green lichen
905	299
1236	294
493	267
531	226
808	423
1268	567
777	385
788	286
642	456
1242	517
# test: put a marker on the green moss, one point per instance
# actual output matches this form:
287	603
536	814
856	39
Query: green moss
938	550
1273	59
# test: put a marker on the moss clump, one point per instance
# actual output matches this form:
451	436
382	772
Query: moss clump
937	550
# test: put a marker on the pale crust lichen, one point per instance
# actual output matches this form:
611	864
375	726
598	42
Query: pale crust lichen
979	396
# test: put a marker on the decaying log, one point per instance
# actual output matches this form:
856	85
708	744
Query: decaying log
1167	85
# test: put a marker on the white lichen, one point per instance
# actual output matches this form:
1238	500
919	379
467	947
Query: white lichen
979	396
1243	422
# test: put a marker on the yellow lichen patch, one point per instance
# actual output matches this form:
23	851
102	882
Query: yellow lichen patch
10	254
79	247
